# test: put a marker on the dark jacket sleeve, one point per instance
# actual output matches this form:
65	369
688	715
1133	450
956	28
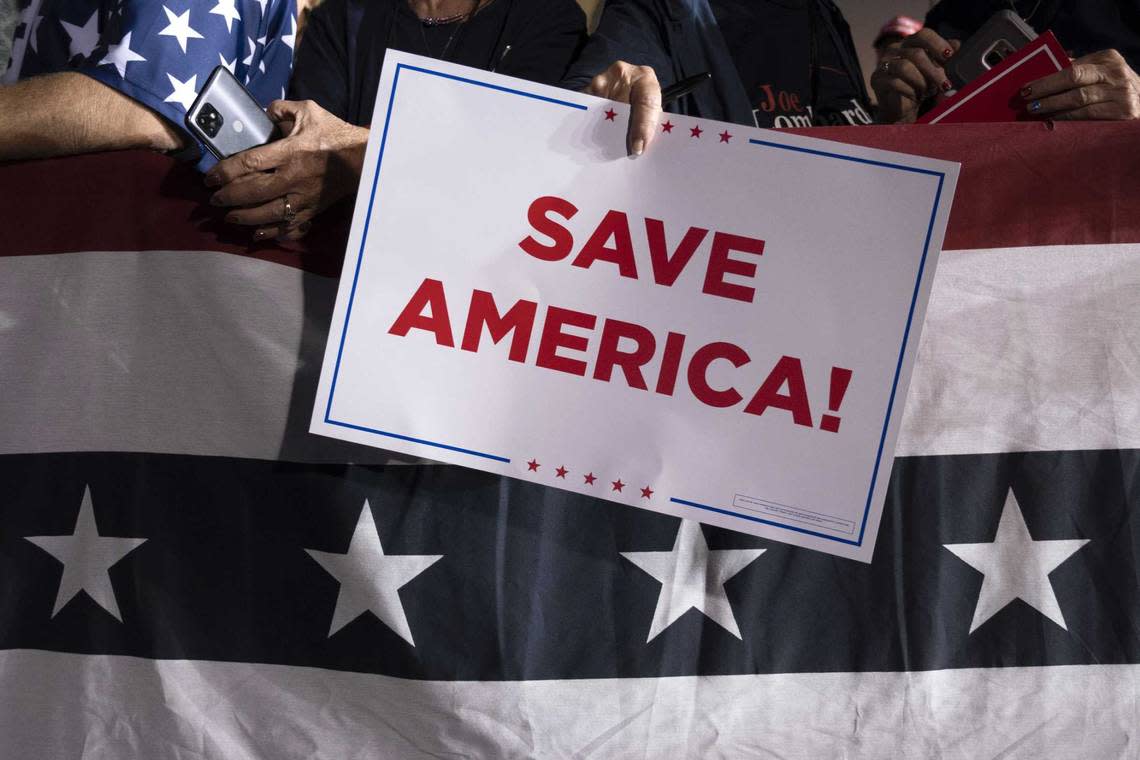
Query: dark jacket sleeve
958	20
320	67
543	41
630	31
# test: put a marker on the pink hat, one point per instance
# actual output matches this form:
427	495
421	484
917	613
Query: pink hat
899	26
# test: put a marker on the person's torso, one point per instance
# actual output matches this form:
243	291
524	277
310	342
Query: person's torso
475	42
786	54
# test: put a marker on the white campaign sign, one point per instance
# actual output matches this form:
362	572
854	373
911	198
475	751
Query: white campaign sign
722	329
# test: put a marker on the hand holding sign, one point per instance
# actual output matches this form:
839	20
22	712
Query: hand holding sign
638	86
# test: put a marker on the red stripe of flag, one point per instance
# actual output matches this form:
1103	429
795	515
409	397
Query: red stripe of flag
1028	190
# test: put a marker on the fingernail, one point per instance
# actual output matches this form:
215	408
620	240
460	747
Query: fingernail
945	85
947	52
260	235
638	146
231	218
1026	92
214	200
1035	106
212	180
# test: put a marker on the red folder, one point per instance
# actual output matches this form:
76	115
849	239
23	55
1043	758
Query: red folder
995	96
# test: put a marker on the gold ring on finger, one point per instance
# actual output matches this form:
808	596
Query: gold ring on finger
288	212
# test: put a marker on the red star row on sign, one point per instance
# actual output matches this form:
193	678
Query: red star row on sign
588	479
695	131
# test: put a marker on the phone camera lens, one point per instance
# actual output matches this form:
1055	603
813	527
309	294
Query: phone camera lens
209	120
1000	50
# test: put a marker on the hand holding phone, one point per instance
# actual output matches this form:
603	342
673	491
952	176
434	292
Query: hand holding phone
1003	34
226	118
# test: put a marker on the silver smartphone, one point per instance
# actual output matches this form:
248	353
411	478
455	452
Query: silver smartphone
1003	34
226	118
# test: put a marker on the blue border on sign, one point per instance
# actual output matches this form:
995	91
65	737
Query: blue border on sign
765	143
902	349
360	255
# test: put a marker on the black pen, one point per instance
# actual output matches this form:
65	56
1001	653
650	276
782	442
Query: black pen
684	87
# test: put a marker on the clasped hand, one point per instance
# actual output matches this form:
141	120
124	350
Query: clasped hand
1097	86
279	187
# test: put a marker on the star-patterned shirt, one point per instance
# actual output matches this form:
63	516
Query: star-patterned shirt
159	52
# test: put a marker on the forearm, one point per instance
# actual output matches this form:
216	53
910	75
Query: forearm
68	113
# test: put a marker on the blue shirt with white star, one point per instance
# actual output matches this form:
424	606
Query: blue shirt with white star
159	53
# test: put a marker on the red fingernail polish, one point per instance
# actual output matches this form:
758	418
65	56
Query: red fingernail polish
945	86
1026	91
947	52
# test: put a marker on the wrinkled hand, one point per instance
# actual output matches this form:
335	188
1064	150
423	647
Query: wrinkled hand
317	163
911	74
638	86
1097	86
